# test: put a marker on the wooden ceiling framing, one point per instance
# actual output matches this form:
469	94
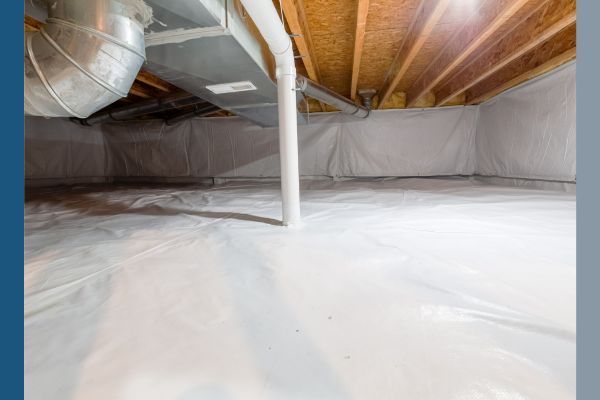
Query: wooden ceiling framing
424	53
362	11
415	53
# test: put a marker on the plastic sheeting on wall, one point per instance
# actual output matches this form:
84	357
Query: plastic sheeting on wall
57	148
389	143
213	147
529	132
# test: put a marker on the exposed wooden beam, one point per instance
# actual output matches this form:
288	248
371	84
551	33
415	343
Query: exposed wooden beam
549	20
32	24
140	91
154	81
359	40
532	73
427	16
478	28
295	16
293	10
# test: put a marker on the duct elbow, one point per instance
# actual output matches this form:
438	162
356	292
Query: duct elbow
85	57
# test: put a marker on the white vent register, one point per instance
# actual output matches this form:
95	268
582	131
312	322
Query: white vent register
231	87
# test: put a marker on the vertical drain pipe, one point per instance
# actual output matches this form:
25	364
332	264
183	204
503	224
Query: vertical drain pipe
265	17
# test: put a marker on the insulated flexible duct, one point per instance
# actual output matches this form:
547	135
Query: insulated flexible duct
85	57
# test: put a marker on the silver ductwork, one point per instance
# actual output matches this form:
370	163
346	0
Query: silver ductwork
327	96
199	44
85	57
202	43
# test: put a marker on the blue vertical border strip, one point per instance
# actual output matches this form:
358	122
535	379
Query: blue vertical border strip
588	200
11	197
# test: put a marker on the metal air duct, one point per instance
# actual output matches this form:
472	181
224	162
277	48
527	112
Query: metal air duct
327	96
85	57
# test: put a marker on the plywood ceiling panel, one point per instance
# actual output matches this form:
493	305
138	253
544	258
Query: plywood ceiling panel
530	7
378	54
461	42
387	24
560	49
546	22
453	19
332	26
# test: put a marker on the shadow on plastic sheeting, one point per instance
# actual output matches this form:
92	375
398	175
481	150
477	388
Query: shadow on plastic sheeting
286	358
91	206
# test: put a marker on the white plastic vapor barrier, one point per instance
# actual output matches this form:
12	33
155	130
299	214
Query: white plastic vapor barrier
57	148
529	132
388	143
417	289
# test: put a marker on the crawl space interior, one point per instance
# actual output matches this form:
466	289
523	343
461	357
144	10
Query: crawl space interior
299	199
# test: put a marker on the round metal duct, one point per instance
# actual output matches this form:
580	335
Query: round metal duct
85	57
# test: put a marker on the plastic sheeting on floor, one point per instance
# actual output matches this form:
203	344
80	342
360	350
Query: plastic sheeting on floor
393	289
528	132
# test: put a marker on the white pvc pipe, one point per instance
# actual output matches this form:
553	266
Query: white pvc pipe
265	17
288	149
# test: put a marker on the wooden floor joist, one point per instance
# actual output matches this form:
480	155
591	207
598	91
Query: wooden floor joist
359	40
474	33
542	69
428	15
293	11
417	53
140	91
154	81
550	19
32	24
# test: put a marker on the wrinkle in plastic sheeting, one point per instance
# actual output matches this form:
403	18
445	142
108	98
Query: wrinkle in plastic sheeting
394	288
528	132
422	289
